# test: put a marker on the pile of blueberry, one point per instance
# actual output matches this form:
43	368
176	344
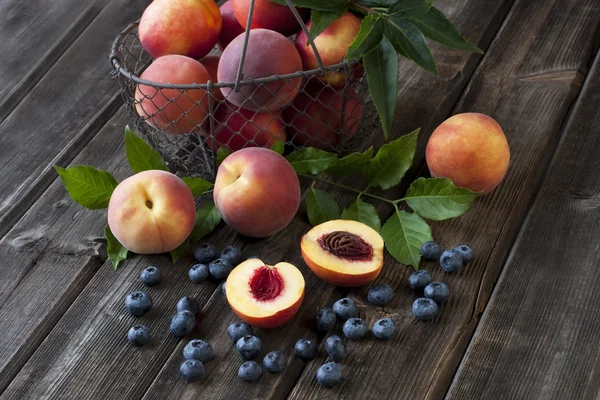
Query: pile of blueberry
210	263
435	293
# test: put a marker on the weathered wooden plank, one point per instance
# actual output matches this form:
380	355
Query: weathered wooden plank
33	36
61	114
527	83
537	338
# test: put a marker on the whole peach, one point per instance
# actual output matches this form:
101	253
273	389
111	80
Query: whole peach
257	192
151	212
231	27
268	15
187	27
173	110
471	150
332	44
268	53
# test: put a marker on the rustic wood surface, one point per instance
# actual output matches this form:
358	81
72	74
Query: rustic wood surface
62	317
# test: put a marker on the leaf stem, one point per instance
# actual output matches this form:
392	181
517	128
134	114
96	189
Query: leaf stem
362	9
348	188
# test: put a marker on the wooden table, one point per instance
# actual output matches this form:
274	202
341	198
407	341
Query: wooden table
521	322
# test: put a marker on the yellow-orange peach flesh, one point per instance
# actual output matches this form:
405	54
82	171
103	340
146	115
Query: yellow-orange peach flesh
344	253
265	296
471	150
151	212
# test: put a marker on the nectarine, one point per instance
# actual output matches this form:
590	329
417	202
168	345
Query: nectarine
231	27
344	253
471	150
268	53
265	296
187	27
151	212
173	110
268	15
256	191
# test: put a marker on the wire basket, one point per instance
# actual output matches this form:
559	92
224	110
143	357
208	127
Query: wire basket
188	124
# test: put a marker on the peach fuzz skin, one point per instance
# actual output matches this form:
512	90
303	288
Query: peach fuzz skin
186	27
231	28
471	150
211	63
332	44
151	212
268	15
257	192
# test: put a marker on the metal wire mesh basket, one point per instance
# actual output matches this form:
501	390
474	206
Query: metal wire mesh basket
188	124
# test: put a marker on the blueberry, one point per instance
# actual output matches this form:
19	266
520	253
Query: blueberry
325	320
274	362
198	350
419	279
248	346
138	335
431	250
384	328
250	371
336	348
138	303
355	329
329	374
182	323
238	330
380	294
306	348
451	261
188	303
198	273
437	291
220	268
192	370
424	309
205	253
466	252
231	254
150	276
224	289
345	308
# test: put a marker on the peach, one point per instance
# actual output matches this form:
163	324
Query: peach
151	212
332	44
265	296
268	15
231	27
315	117
239	128
211	63
186	27
471	150
257	192
268	53
344	253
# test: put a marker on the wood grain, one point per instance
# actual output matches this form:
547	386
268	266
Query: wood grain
60	114
421	360
538	336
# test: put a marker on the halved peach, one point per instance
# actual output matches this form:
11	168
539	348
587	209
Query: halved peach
265	296
344	253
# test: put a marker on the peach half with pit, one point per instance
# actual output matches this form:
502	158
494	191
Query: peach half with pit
265	296
344	253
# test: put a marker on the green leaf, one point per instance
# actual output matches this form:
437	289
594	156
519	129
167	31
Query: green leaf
437	27
310	160
363	212
321	207
352	163
369	36
320	20
179	251
438	199
408	8
198	186
320	5
207	219
140	155
222	154
88	186
115	250
408	40
403	234
392	161
375	3
278	147
381	66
